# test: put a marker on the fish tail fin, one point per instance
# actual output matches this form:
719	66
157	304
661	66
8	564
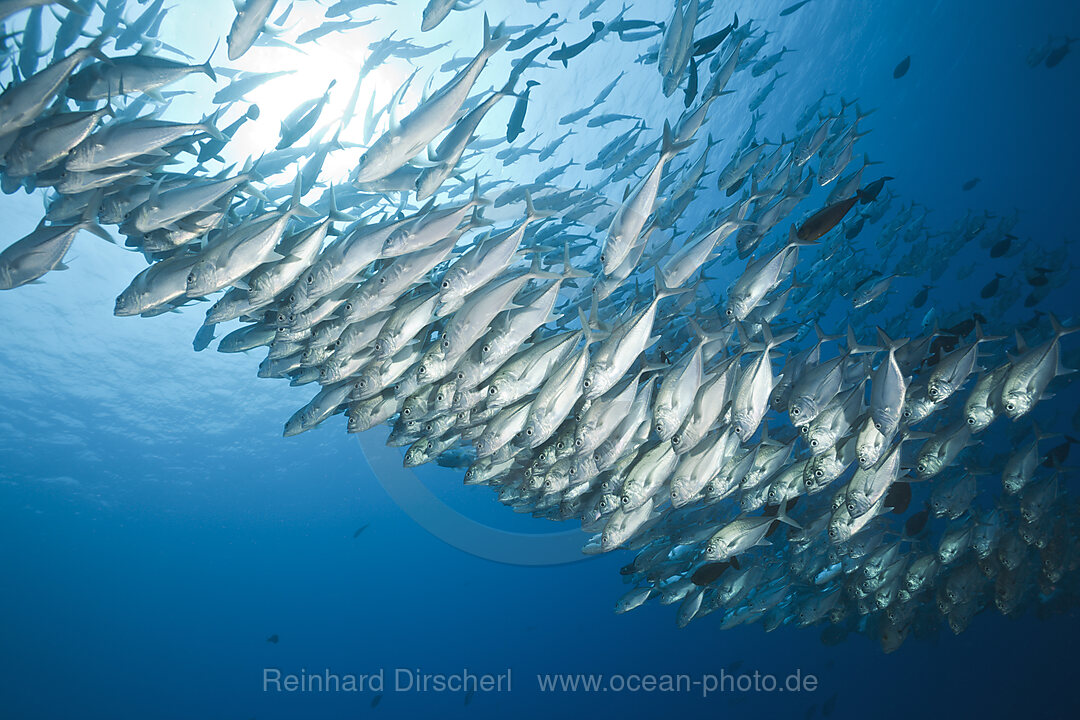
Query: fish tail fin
538	272
822	337
336	214
795	281
531	213
586	329
980	337
569	271
1039	434
1059	329
669	147
795	241
782	516
854	348
493	39
209	125
664	290
597	26
89	217
476	200
888	343
73	7
206	67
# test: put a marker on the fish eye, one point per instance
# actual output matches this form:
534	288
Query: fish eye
1010	406
795	411
529	431
603	258
813	443
445	284
191	277
832	532
659	427
486	348
805	429
819	473
493	390
738	430
675	440
446	344
382	280
586	383
971	421
850	506
625	499
920	467
877	426
422	370
309	279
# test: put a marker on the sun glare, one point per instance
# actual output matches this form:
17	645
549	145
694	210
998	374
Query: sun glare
337	57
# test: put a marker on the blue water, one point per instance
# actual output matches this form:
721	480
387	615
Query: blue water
155	529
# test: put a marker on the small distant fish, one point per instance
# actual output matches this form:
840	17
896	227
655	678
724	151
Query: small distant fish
990	289
360	529
1001	246
902	67
792	8
568	52
515	126
916	523
1058	53
376	700
829	705
272	639
970	184
1039	277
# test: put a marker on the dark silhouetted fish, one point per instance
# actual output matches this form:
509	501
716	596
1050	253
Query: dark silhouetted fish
1001	246
915	524
870	192
792	8
710	573
826	218
990	289
902	67
1058	54
920	297
569	52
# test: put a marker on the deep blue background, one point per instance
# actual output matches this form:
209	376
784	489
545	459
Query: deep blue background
155	529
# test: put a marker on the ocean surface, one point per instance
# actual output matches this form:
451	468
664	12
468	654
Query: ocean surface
164	551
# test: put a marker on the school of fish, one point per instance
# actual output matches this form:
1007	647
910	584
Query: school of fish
577	359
